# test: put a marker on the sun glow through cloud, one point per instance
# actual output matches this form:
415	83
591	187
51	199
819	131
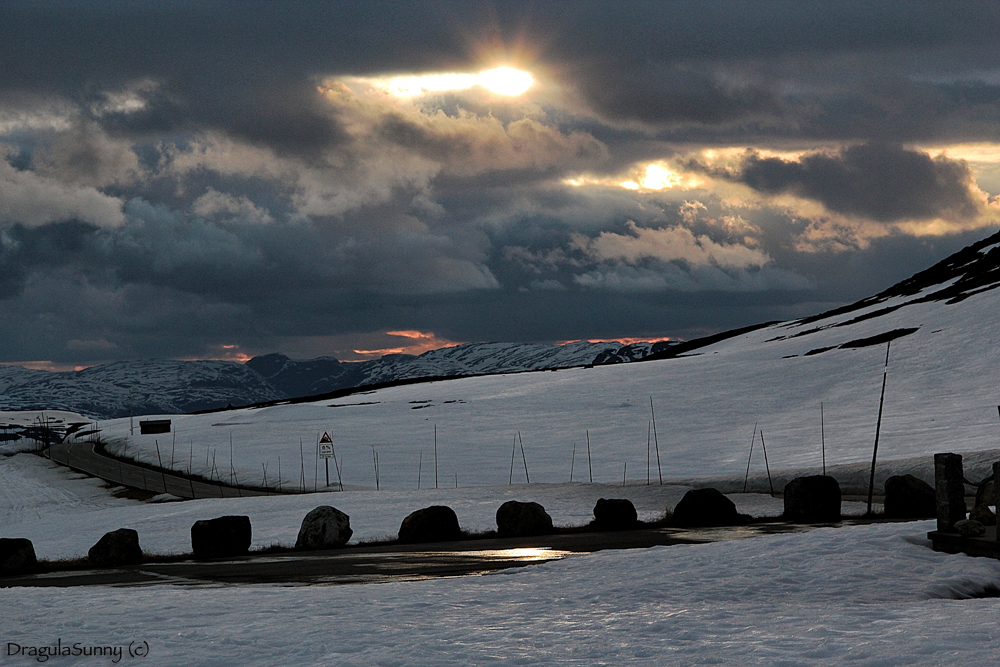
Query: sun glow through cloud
649	177
500	80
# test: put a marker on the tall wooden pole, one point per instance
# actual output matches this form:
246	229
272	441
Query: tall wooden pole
656	441
878	429
590	464
749	456
822	433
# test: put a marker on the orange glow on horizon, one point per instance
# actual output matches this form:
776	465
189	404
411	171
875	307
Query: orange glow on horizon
625	340
47	366
421	342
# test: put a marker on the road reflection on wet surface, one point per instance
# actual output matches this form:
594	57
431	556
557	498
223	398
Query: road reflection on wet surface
366	564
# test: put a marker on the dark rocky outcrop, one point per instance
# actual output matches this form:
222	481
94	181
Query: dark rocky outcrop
17	554
119	547
706	507
324	528
615	514
517	519
908	497
812	499
437	523
224	536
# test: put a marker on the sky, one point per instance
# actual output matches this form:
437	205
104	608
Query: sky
218	180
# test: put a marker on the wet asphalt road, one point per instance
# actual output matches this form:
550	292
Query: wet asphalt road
81	456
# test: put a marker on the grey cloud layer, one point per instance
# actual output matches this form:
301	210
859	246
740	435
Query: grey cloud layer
879	182
180	175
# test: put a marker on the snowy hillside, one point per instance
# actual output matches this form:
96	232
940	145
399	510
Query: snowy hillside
155	385
326	374
941	396
167	386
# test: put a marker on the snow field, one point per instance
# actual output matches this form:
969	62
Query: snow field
64	513
868	595
940	397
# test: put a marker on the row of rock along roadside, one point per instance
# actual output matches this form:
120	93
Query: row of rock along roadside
814	499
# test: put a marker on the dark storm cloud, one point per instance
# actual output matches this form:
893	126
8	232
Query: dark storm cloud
673	95
250	68
174	174
883	183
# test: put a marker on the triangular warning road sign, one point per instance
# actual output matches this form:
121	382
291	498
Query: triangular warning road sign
326	440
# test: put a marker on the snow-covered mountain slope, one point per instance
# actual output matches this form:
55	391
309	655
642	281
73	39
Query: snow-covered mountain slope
142	387
12	375
327	374
183	386
484	358
941	395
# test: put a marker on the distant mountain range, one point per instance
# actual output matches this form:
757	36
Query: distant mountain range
163	386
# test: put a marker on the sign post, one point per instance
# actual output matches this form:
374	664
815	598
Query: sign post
326	453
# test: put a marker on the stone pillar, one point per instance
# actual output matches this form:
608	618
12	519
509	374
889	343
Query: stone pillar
996	494
949	483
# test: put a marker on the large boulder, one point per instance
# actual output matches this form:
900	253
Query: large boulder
17	554
436	523
517	519
119	547
224	536
970	528
984	515
324	528
909	497
706	507
615	514
812	499
984	494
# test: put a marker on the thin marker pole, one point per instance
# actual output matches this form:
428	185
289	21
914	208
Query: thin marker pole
191	479
822	433
172	446
878	428
162	475
513	451
572	463
624	473
747	478
435	456
336	464
656	441
316	467
420	467
279	474
649	425
764	446
232	469
523	458
590	464
302	469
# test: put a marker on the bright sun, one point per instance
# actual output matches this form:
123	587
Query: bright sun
500	80
505	80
